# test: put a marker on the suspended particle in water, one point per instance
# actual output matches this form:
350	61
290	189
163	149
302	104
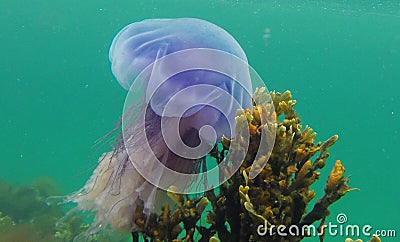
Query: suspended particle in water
267	35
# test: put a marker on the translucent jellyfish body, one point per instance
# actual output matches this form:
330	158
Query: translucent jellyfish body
186	80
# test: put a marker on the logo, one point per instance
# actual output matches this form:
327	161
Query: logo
207	105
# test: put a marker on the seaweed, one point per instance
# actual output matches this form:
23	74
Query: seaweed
266	207
374	238
26	216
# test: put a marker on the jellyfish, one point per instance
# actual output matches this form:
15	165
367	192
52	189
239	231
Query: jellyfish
185	78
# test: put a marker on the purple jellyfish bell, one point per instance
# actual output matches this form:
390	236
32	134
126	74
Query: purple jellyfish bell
186	80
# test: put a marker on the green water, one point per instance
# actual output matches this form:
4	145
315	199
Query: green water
340	59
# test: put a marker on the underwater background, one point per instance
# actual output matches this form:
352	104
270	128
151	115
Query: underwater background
340	60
